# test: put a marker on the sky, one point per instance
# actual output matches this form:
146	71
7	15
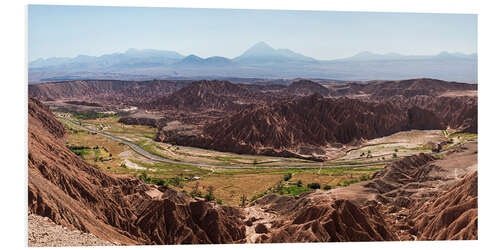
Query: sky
69	31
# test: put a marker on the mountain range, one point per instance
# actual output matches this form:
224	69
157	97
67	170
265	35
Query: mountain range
260	61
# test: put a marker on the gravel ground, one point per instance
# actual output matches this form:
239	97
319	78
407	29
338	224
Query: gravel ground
42	232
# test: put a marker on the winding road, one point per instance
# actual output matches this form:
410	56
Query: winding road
158	158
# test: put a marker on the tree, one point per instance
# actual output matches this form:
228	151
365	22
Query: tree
314	185
243	201
299	183
327	187
209	197
287	176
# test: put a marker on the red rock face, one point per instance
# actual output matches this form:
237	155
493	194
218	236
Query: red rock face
105	91
451	216
72	193
457	112
209	95
313	121
319	219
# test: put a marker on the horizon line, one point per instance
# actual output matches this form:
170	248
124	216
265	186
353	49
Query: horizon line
340	58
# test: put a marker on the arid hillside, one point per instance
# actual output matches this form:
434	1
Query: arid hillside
406	88
284	128
305	88
122	209
209	95
418	197
105	91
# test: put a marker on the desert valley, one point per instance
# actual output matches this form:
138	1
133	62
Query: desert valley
253	160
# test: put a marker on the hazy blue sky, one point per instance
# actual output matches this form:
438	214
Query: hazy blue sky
68	31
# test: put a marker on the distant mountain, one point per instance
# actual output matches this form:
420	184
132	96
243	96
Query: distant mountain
132	57
369	56
263	53
214	61
259	61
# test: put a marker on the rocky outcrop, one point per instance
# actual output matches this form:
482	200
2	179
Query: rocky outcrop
456	112
417	198
305	88
75	194
209	95
284	128
322	219
452	215
146	121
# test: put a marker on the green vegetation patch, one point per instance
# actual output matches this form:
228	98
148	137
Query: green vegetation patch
464	136
79	150
85	115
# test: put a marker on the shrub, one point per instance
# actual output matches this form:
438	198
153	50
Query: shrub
255	197
327	187
366	178
287	176
299	183
195	193
219	201
209	197
314	185
144	177
159	182
394	155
